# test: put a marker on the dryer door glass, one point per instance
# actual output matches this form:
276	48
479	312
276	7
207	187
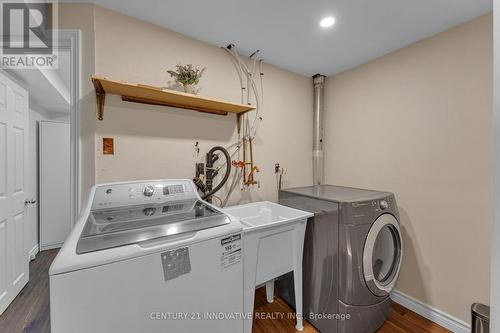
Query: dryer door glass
382	255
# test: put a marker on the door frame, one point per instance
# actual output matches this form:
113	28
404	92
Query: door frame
70	39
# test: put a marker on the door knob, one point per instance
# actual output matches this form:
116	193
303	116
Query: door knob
29	201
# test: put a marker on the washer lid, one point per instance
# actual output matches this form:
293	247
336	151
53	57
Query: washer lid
382	255
108	228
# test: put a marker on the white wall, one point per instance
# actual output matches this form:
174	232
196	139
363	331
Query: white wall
417	122
63	117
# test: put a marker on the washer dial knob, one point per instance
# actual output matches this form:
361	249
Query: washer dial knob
149	211
383	204
149	191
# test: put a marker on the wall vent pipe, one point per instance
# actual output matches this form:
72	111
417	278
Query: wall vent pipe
318	111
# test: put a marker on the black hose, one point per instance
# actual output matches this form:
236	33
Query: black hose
226	175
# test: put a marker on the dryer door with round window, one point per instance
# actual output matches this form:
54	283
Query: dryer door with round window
382	255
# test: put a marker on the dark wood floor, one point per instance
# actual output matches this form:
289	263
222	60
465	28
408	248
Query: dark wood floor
401	320
30	313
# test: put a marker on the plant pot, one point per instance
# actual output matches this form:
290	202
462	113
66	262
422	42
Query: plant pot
190	89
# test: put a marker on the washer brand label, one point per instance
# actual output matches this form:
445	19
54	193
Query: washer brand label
359	204
230	239
231	250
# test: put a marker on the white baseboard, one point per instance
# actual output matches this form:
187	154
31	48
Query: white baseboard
33	252
439	317
50	246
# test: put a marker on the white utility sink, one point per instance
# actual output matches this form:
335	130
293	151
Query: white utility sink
265	214
273	240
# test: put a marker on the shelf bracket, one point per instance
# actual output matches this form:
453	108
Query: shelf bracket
101	97
239	116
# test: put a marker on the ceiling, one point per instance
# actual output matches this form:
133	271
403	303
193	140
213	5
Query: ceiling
288	32
48	89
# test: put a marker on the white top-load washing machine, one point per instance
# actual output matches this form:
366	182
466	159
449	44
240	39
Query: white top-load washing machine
149	256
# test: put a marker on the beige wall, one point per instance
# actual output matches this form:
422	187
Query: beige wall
495	182
417	122
81	17
157	142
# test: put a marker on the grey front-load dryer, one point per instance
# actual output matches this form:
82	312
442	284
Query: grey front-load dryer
352	257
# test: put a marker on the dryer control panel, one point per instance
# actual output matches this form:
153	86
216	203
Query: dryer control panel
136	193
377	205
366	211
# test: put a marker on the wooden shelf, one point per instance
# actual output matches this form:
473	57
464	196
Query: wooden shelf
145	94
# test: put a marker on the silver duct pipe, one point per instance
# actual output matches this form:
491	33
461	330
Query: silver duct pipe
318	110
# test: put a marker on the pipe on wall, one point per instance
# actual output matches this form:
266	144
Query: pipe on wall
318	111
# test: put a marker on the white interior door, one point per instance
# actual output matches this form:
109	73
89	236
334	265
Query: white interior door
55	187
13	159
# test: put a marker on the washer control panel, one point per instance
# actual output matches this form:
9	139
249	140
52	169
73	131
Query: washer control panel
136	193
149	190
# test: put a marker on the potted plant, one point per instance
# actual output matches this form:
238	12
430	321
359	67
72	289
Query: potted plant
188	76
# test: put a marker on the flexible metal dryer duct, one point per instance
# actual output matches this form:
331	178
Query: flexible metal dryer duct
318	110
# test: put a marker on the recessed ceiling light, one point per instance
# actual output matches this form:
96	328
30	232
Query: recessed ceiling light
327	22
